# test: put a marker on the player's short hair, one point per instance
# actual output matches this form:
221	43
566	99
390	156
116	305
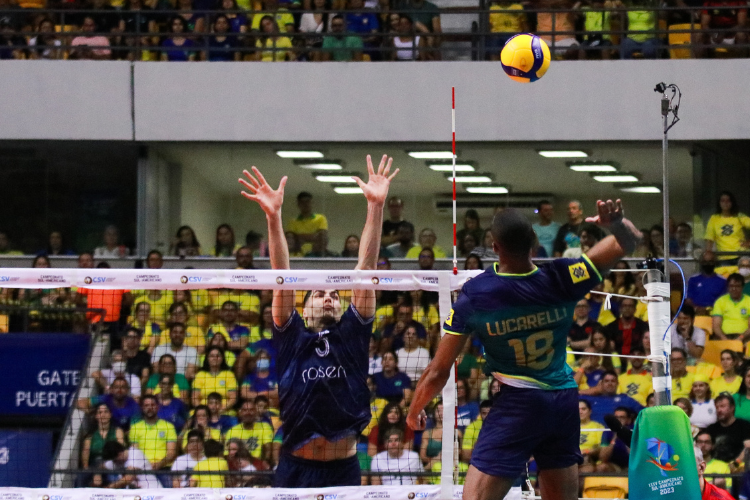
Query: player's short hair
213	448
214	396
485	404
634	301
178	324
308	294
512	231
726	397
611	372
154	252
588	405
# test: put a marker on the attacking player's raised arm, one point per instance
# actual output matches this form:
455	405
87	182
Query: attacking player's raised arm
376	192
625	236
270	201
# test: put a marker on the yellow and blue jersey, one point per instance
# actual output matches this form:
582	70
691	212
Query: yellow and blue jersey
523	320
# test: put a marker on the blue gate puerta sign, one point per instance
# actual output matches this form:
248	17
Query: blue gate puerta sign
40	372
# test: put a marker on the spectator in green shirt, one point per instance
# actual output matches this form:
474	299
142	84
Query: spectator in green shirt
340	46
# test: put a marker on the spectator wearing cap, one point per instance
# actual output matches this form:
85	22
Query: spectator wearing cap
686	336
731	312
307	223
404	241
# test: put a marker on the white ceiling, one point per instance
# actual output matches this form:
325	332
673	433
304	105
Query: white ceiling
517	165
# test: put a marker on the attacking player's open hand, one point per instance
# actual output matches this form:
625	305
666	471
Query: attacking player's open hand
609	212
417	422
270	200
376	188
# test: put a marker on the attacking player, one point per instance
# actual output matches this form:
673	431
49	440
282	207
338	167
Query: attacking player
522	314
323	356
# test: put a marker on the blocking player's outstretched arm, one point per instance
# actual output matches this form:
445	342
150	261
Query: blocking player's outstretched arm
270	201
376	192
625	236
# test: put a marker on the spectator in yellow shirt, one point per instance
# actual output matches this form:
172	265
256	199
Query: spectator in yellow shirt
256	435
682	380
427	239
506	18
215	376
155	437
472	431
307	223
729	381
726	231
731	312
214	462
591	438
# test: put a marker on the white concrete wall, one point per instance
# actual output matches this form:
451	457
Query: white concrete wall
586	100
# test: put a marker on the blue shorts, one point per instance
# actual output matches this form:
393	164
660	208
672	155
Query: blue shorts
529	422
294	472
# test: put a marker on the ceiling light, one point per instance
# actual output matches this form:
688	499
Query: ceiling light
348	190
431	155
299	154
641	189
563	154
443	167
470	178
593	168
321	166
487	189
343	179
616	178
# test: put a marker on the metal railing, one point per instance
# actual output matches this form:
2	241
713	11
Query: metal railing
140	34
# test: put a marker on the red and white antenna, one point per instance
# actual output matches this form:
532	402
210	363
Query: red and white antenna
453	129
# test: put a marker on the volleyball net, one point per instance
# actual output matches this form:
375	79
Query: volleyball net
143	375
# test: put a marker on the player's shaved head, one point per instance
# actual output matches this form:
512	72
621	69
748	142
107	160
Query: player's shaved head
512	231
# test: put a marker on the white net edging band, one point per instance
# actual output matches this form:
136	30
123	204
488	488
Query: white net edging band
186	279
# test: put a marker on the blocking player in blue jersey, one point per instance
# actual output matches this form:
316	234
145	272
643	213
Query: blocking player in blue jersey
323	356
522	314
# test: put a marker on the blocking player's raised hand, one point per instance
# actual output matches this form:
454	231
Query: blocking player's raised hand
269	199
376	188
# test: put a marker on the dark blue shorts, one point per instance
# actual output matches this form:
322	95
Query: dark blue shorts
529	422
294	472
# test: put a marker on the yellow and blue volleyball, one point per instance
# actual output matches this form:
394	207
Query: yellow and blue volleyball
525	58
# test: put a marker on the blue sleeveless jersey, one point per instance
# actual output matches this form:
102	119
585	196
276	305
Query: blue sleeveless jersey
323	379
523	320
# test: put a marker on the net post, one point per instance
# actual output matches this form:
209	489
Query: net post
661	342
449	395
